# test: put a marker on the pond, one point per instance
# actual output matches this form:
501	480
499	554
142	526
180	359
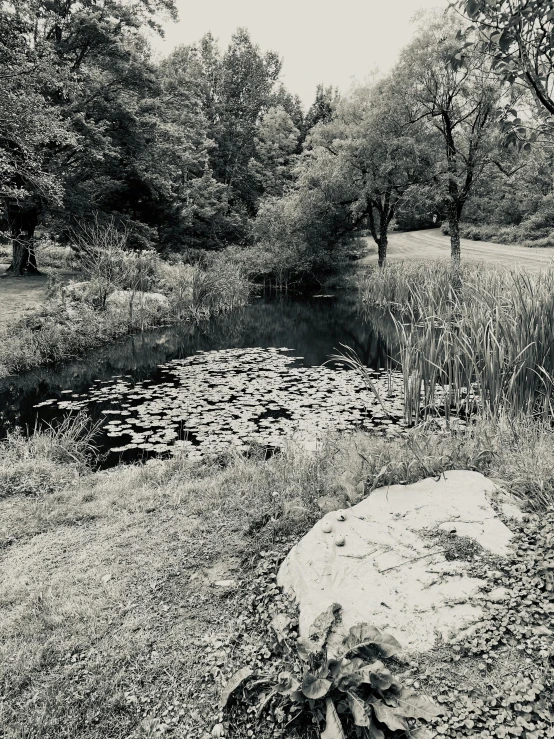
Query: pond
251	377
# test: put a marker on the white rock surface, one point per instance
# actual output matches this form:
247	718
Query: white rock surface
122	299
388	571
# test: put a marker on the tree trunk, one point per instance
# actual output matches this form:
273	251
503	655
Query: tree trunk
382	248
454	226
23	222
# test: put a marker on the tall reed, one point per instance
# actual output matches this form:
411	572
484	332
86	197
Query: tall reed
487	343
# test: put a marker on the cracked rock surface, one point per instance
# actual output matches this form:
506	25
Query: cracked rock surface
385	562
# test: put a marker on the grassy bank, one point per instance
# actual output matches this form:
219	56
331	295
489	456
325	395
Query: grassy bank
130	294
128	596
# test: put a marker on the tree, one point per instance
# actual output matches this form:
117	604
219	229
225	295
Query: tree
238	88
374	155
242	94
384	155
29	128
357	169
291	103
457	99
322	109
519	36
90	71
275	154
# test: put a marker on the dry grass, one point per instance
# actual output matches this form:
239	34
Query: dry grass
518	454
108	603
107	589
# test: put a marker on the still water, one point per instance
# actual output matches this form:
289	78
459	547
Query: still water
251	375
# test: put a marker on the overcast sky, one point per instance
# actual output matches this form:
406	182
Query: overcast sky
318	42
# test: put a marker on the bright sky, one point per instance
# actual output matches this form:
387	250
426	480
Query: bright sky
333	44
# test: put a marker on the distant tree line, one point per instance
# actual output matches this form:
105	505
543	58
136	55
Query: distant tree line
208	150
178	152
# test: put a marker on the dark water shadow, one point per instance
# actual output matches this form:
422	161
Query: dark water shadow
314	328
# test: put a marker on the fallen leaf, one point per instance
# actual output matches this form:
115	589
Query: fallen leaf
234	683
333	726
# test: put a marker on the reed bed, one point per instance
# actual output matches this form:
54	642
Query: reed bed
481	340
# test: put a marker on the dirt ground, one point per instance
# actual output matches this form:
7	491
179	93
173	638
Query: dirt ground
432	244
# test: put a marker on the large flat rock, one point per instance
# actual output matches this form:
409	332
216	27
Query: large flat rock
387	564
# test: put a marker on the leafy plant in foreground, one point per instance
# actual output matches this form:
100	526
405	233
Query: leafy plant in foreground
347	686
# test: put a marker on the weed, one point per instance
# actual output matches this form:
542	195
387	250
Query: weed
487	344
351	685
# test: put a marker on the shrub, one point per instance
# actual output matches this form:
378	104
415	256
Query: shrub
109	265
220	288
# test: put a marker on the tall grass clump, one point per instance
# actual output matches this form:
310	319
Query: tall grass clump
48	459
485	342
398	285
221	287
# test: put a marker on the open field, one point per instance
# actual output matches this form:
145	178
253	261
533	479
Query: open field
431	244
19	295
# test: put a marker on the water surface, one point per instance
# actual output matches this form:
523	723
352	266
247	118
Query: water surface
148	385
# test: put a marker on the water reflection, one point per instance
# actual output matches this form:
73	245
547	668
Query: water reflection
313	328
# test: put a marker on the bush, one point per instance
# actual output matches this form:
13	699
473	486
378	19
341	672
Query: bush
109	265
220	288
299	237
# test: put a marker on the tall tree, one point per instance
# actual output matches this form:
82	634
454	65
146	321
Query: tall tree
243	93
91	59
520	37
458	99
198	214
378	155
29	128
322	109
276	143
239	86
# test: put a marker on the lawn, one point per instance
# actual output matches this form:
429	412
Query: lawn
125	593
109	605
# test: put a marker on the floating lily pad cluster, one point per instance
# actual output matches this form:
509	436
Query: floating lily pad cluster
216	400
